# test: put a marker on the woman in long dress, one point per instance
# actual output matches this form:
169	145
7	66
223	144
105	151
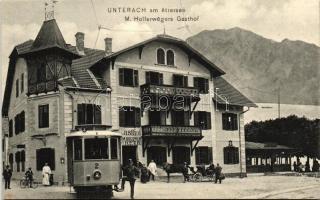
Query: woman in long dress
46	171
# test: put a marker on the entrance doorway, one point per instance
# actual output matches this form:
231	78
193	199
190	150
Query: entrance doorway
45	155
129	152
157	154
180	155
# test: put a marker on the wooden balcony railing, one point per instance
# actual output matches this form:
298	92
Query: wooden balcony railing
42	87
171	131
169	90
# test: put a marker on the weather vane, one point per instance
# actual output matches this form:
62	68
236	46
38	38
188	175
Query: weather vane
49	10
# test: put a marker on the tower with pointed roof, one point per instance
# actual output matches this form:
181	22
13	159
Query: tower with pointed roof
48	59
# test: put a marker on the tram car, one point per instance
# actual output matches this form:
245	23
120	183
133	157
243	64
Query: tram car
94	160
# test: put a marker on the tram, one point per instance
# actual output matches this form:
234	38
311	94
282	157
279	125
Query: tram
94	160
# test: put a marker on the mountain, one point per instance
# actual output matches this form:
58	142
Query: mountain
258	66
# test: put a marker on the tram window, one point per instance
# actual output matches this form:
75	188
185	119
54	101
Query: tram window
114	148
77	149
96	148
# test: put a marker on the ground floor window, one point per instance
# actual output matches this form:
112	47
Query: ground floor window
231	155
203	155
129	152
180	155
11	161
158	154
23	160
45	155
18	159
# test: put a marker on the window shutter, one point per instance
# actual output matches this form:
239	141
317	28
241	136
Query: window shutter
122	118
137	117
16	129
97	114
198	156
209	155
22	82
195	82
121	76
208	120
173	117
135	78
163	117
185	81
224	121
175	79
10	128
22	121
17	87
80	114
160	79
235	122
206	86
196	118
148	77
225	155
236	155
186	118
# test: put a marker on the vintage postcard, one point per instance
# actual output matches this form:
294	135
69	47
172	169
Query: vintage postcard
171	99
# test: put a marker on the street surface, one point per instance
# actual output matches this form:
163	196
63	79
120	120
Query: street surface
254	186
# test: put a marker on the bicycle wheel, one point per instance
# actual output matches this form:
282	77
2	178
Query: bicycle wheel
34	185
23	183
197	177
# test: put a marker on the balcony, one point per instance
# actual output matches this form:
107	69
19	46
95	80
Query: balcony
192	132
91	127
42	87
170	90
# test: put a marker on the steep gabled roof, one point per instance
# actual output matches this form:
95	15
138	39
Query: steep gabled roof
235	97
194	54
50	37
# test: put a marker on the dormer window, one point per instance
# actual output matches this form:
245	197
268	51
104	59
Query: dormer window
170	57
161	56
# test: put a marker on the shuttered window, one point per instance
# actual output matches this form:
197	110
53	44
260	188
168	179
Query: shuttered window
128	77
157	117
203	155
43	116
231	155
180	118
89	114
201	84
154	78
229	121
18	159
19	123
202	119
180	80
129	117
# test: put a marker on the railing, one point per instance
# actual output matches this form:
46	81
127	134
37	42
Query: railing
169	90
42	87
90	127
170	130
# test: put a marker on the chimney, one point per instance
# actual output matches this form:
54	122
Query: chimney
108	45
80	42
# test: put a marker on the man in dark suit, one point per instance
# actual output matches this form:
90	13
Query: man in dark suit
130	170
7	173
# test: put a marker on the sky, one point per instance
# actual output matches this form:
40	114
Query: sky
273	19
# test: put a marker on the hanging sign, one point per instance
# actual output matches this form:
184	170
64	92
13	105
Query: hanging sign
131	137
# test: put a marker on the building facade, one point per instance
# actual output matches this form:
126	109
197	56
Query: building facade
167	100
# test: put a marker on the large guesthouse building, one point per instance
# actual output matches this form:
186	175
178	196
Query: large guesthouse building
168	101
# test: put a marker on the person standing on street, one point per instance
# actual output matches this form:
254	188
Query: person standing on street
46	171
152	167
218	173
7	173
130	170
29	176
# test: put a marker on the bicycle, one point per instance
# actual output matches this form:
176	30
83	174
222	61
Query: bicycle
25	183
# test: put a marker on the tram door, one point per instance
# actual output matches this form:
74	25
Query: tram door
129	152
180	155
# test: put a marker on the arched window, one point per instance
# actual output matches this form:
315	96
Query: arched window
160	56
170	57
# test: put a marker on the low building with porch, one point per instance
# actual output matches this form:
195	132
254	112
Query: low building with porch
268	157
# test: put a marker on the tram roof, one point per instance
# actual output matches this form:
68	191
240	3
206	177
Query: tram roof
92	133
